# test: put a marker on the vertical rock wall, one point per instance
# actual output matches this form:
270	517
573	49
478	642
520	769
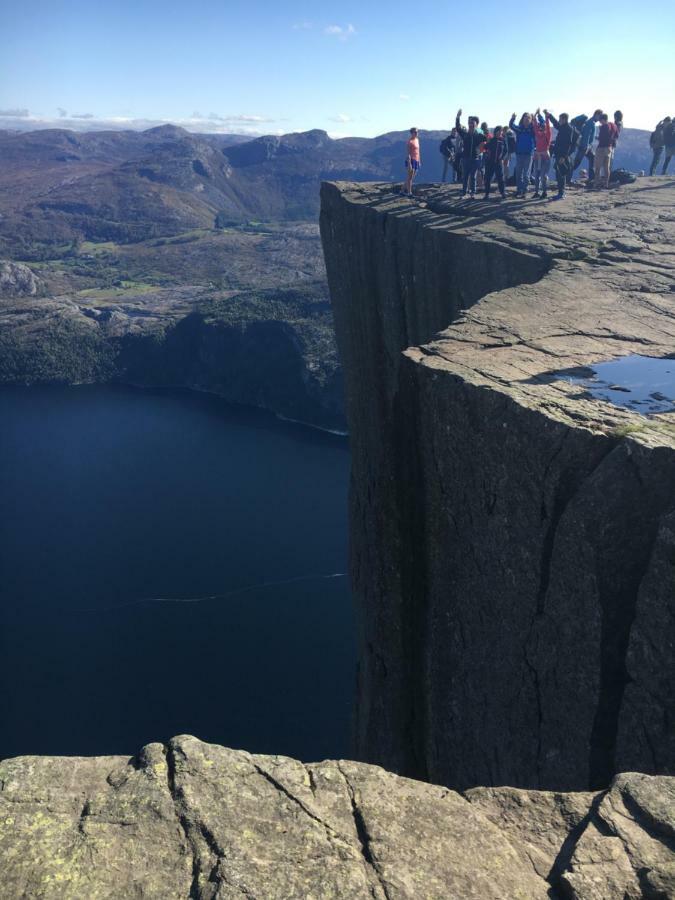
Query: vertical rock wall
507	563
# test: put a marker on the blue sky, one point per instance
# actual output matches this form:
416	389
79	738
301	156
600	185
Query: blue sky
349	68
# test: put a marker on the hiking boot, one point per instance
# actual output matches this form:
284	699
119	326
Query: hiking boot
558	197
544	196
462	195
472	196
535	196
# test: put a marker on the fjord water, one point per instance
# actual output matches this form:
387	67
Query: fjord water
113	501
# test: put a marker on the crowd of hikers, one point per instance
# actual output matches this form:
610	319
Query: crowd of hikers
476	155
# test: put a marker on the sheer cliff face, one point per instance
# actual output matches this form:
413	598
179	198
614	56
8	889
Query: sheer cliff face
513	540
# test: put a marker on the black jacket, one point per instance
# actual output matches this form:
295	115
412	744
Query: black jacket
566	139
471	142
496	150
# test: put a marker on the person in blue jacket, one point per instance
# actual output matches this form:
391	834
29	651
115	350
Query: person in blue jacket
525	143
586	127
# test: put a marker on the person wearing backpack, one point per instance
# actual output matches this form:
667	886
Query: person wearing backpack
657	143
586	128
566	140
525	144
669	141
542	154
448	150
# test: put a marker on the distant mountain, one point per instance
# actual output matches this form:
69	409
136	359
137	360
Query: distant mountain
59	186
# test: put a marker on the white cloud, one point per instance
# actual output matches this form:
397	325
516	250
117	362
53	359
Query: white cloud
14	114
253	125
404	96
341	117
341	32
303	26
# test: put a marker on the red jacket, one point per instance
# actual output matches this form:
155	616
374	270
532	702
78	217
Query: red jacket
609	135
542	135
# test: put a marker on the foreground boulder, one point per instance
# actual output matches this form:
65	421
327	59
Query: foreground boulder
198	820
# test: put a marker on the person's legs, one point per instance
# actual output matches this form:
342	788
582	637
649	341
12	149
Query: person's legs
590	156
408	178
500	178
601	160
608	165
579	158
523	166
473	169
542	163
670	152
446	162
655	159
466	171
536	167
489	172
562	167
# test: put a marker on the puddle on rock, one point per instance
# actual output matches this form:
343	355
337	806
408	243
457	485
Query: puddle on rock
645	384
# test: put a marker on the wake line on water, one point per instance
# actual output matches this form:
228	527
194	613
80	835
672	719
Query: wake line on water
233	593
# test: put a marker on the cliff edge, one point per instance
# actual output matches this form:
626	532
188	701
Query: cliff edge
513	534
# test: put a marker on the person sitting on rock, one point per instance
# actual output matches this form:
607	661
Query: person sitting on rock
657	143
413	160
496	151
542	154
525	144
472	141
565	143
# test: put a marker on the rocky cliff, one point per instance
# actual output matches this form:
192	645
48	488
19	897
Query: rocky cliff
513	536
195	820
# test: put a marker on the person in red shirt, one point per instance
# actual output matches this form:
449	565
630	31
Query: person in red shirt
609	134
413	161
542	154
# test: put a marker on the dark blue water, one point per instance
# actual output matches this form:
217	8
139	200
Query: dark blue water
109	496
645	384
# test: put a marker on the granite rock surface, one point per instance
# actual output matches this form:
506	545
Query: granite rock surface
196	820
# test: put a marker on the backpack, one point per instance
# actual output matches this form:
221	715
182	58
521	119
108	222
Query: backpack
446	148
621	176
578	122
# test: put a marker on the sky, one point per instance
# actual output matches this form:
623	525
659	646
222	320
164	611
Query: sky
348	68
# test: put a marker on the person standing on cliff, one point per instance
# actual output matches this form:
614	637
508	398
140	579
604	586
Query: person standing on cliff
586	127
413	160
525	144
565	143
496	151
472	143
542	154
609	134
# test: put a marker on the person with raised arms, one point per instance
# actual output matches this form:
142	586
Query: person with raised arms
472	143
566	141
